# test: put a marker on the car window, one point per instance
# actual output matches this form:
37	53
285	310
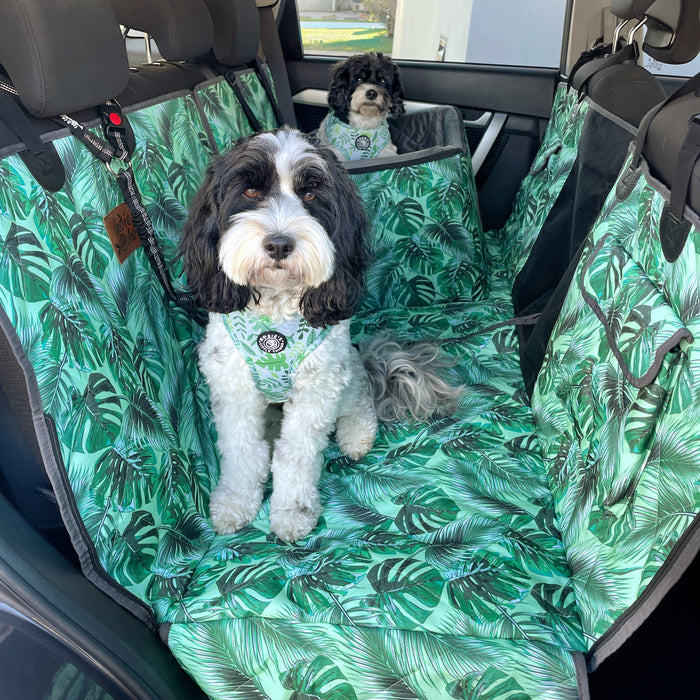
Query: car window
502	32
685	70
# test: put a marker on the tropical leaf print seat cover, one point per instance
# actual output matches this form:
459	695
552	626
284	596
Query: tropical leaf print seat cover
458	559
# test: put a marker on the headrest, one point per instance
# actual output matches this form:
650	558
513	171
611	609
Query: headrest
627	90
673	31
236	30
629	9
669	139
182	29
62	57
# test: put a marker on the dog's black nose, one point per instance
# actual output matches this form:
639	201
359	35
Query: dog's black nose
278	247
371	94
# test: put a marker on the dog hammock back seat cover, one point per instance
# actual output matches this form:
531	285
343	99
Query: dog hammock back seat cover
484	554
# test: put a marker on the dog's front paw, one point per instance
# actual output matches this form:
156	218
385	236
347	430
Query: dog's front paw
230	511
355	434
292	520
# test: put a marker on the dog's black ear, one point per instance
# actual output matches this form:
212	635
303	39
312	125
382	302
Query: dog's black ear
199	247
345	222
340	90
332	301
397	107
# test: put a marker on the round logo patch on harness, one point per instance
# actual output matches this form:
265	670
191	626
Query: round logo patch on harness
272	341
362	143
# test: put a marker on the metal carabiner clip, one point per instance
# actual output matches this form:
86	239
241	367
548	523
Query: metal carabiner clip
125	166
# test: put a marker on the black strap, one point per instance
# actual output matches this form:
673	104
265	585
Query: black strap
588	70
235	84
269	88
272	47
586	58
687	87
119	148
101	150
687	157
144	226
42	159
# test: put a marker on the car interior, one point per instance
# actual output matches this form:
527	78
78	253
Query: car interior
538	222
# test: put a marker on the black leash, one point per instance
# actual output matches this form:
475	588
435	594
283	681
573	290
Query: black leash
116	151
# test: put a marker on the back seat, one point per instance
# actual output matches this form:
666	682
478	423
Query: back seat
492	553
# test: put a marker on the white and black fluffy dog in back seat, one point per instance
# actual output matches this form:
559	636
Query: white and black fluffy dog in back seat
363	91
274	248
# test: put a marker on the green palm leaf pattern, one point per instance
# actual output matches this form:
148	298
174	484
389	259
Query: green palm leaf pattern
224	114
423	253
237	657
118	423
471	555
257	98
617	478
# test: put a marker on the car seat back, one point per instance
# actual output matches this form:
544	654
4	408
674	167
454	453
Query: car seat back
109	364
619	92
616	398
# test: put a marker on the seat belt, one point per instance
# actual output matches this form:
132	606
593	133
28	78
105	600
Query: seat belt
270	40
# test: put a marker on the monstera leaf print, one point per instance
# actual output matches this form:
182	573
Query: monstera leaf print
493	684
423	511
418	247
257	98
96	415
25	265
318	677
607	436
439	566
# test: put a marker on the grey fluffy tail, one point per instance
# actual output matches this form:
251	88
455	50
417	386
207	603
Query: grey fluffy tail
405	379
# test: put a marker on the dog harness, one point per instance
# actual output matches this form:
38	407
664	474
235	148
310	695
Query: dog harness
273	350
355	144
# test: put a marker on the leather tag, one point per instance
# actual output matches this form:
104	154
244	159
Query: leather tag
122	231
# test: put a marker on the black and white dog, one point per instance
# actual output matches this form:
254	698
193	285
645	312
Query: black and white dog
363	91
274	248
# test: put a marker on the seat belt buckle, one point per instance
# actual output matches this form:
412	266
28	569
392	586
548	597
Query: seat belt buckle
113	121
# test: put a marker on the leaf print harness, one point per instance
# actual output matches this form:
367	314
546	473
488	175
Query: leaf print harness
273	350
355	144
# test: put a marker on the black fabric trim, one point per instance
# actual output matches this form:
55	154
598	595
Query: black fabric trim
675	565
661	351
689	214
47	439
147	85
371	165
581	675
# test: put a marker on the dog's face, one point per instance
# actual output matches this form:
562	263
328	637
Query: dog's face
277	213
367	86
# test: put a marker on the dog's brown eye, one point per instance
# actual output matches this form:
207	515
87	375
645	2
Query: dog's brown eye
309	196
252	193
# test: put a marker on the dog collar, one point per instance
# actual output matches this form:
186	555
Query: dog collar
355	144
273	350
